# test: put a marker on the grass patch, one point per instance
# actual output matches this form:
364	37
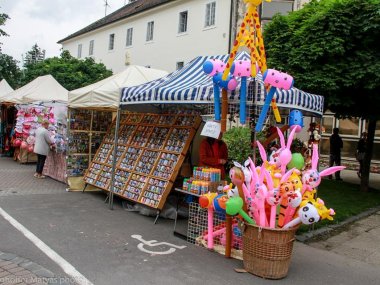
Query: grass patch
346	199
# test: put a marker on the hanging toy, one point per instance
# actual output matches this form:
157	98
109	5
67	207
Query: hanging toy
242	69
276	79
296	120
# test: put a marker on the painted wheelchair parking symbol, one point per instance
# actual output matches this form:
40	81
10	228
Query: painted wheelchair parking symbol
153	243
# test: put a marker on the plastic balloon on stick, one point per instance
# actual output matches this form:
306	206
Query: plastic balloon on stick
242	69
213	67
234	206
275	79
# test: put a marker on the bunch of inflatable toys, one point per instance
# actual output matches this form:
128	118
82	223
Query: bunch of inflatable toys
271	195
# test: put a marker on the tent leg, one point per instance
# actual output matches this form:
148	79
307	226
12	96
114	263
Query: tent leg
157	216
116	138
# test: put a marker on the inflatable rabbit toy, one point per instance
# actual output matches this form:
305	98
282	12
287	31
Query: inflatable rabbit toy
259	194
273	199
284	155
246	171
312	178
310	212
269	165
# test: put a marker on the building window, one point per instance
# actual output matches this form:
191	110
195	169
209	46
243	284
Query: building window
149	31
79	50
111	42
349	127
210	14
179	64
91	48
128	42
182	25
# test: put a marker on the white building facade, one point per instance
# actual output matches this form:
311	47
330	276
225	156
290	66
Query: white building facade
165	36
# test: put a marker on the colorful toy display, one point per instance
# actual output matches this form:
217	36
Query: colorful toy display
274	197
214	68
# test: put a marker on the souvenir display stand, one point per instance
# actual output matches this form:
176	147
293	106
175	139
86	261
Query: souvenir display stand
29	118
85	134
6	118
150	152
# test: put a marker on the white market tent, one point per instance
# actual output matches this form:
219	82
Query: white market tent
42	89
106	93
5	89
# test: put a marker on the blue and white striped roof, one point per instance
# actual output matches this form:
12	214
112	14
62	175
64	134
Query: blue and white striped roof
191	85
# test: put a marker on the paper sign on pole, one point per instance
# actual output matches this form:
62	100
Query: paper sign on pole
211	129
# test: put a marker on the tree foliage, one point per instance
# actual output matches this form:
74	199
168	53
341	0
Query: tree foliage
9	70
331	48
69	71
3	18
35	55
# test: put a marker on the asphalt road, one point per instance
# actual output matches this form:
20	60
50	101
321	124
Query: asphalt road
98	243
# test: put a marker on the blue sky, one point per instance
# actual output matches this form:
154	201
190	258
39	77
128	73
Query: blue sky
47	21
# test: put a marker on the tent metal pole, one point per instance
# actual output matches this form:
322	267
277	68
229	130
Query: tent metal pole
116	138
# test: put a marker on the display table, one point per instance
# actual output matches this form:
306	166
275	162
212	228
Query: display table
55	166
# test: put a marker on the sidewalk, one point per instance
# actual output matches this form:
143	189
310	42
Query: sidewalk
18	270
351	177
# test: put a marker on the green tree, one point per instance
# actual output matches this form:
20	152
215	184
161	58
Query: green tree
35	55
70	72
331	47
9	70
3	18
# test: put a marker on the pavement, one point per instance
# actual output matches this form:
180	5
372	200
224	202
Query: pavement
100	244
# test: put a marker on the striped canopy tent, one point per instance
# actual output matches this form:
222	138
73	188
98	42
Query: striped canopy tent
190	85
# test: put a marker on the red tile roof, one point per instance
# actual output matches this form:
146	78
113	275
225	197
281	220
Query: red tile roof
123	13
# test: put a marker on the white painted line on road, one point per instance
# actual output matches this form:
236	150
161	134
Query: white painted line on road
67	267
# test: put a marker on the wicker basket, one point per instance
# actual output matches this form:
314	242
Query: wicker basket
267	252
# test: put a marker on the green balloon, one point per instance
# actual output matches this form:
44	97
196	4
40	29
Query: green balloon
297	161
234	205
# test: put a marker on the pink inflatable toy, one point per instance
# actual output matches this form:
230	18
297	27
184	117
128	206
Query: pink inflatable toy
213	66
278	79
24	145
312	178
17	143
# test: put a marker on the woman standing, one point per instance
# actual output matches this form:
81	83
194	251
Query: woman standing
42	147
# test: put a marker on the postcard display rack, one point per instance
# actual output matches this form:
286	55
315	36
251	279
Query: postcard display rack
86	131
151	149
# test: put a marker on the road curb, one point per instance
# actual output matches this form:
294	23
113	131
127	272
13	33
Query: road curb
328	230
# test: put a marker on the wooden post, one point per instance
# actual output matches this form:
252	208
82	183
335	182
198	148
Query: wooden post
228	236
224	110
